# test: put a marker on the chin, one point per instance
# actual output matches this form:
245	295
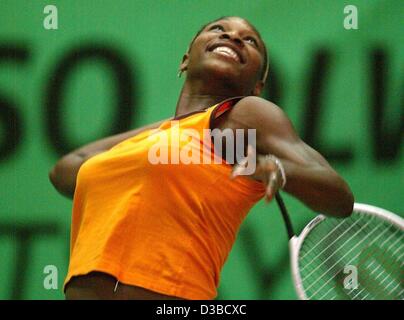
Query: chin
220	70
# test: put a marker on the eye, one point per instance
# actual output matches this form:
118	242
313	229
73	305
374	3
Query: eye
216	27
252	40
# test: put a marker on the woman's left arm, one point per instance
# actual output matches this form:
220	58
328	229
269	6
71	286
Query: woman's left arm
309	176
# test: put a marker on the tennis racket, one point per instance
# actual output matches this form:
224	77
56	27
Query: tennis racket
356	258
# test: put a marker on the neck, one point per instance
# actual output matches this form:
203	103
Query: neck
196	97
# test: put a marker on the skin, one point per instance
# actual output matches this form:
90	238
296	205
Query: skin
210	79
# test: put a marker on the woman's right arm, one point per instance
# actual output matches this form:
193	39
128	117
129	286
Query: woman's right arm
63	175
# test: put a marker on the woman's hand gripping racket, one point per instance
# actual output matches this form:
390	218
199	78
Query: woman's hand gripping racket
268	169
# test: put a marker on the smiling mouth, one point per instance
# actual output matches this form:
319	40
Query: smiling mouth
227	52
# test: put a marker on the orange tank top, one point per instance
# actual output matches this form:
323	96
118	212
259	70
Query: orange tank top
166	227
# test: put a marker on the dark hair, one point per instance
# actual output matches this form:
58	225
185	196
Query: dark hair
265	69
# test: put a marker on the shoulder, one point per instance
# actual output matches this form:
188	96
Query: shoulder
251	101
255	108
256	112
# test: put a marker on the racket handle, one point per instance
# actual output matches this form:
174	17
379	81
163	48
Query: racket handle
285	215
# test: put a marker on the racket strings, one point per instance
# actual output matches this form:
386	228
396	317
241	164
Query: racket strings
373	246
338	271
330	245
392	284
323	235
338	235
372	284
337	264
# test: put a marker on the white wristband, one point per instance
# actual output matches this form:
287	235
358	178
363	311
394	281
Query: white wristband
279	165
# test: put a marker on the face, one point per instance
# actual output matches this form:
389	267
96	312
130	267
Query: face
228	49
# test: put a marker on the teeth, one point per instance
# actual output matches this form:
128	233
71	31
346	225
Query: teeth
227	51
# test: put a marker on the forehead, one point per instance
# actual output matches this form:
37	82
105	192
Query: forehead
235	22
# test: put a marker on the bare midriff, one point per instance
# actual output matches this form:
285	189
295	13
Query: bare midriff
102	286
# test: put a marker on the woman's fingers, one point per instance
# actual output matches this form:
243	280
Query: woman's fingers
272	185
266	171
239	169
251	153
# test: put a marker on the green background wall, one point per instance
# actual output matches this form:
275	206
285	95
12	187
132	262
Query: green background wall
308	47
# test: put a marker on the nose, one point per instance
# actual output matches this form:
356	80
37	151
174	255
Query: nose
232	36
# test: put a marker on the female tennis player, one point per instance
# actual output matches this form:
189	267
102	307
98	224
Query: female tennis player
147	231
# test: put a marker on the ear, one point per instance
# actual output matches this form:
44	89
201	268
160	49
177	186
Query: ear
258	88
184	63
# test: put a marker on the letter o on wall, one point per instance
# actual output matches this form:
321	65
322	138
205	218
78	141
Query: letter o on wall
54	93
